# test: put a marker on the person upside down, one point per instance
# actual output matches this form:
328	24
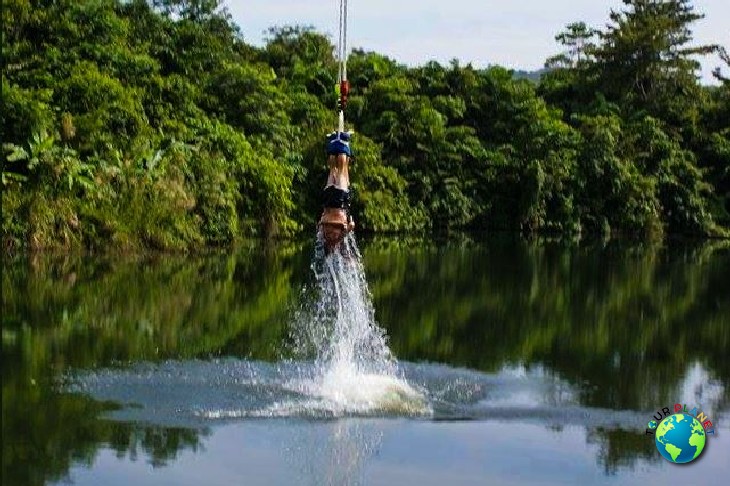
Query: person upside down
336	221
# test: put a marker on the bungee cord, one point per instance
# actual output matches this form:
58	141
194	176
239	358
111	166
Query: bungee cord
343	85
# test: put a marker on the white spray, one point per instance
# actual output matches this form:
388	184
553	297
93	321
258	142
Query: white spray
356	371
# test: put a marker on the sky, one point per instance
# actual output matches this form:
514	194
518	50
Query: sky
516	35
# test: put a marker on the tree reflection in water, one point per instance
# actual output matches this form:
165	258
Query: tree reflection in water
625	325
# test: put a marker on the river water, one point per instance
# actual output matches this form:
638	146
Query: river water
464	361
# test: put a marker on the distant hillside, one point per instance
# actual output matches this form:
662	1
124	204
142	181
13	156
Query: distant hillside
533	76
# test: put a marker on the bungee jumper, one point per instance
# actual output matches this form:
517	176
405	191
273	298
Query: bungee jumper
336	221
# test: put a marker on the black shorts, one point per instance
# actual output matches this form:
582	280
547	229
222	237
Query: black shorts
333	197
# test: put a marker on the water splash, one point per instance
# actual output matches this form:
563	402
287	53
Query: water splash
356	371
196	393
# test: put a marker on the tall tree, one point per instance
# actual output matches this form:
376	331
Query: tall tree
647	61
568	82
578	39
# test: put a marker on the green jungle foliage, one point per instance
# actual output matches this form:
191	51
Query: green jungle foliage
153	124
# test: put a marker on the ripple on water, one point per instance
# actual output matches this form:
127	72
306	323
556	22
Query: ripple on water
352	372
199	392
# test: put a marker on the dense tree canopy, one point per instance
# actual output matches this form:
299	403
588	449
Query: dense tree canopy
154	124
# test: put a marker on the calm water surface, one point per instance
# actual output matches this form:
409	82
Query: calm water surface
517	363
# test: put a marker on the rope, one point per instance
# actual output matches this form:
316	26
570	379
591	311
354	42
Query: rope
344	42
342	56
339	42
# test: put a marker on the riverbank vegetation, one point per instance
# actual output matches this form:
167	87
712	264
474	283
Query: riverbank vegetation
143	124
